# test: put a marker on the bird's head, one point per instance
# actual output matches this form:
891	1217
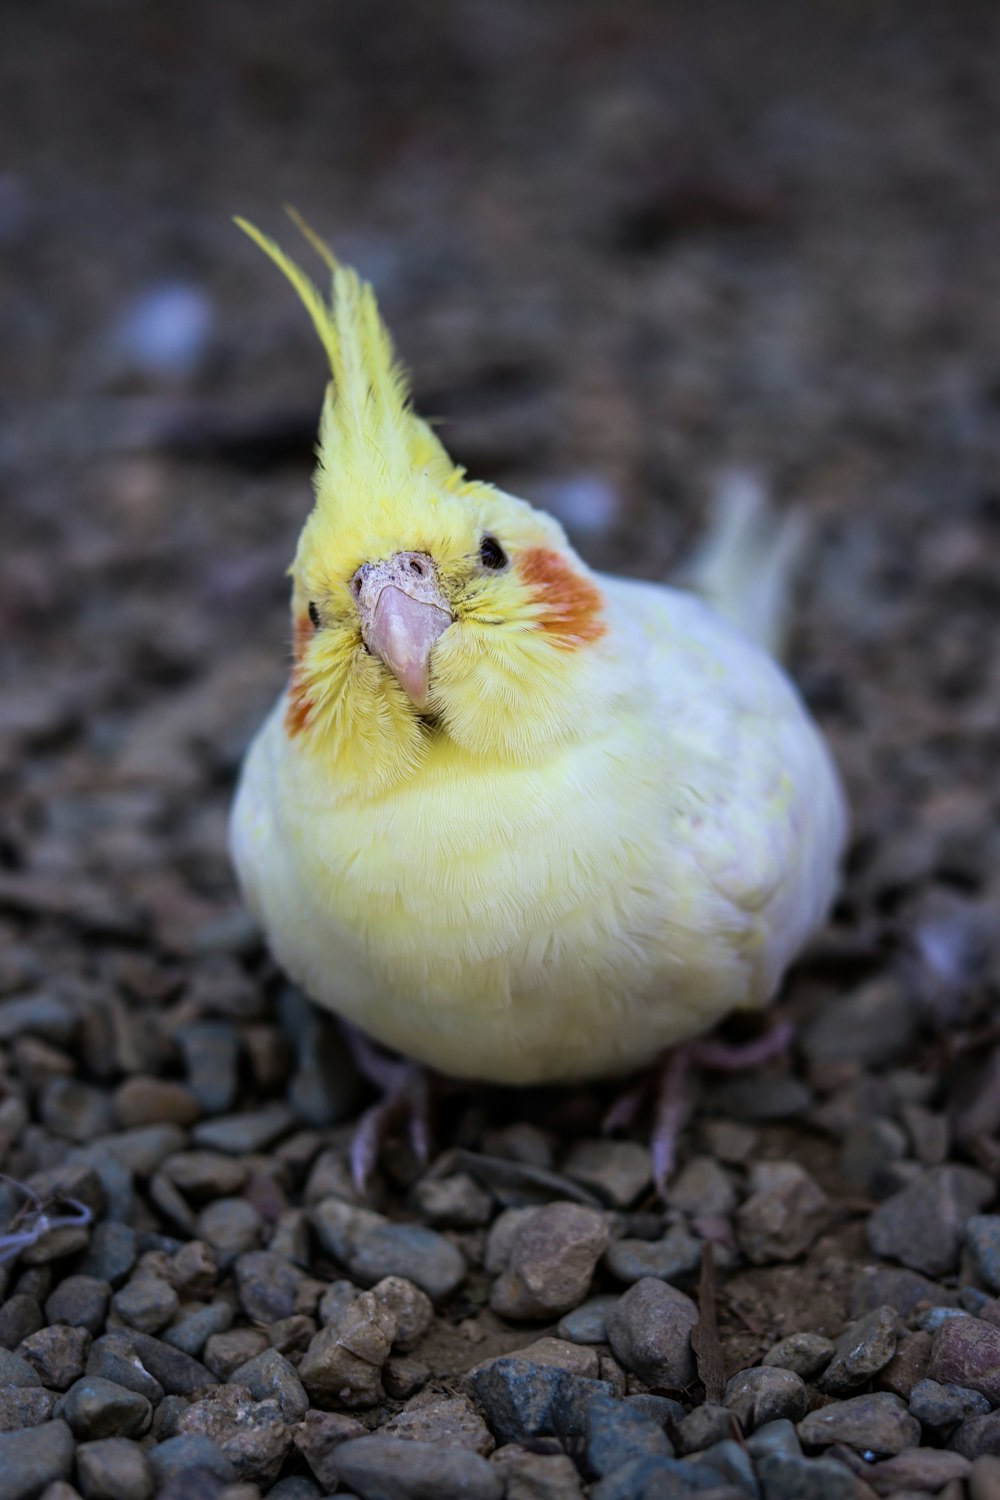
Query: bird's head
424	604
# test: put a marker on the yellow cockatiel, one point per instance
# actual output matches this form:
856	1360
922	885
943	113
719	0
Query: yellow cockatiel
517	820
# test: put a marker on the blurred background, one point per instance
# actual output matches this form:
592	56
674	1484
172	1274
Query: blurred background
631	251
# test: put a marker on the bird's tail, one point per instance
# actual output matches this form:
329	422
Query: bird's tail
748	564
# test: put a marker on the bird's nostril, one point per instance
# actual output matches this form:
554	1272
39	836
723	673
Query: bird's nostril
416	566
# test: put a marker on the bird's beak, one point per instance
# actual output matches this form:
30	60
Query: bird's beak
402	612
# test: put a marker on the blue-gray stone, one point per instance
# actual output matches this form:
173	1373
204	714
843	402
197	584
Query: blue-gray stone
733	1464
191	1331
664	1411
617	1434
778	1436
982	1239
191	1450
936	1404
523	1400
372	1247
587	1324
785	1476
654	1478
33	1458
387	1468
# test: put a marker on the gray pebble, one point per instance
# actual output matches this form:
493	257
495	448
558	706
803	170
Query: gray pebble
650	1333
454	1202
243	1134
317	1439
778	1436
674	1256
80	1301
16	1370
864	1348
411	1308
982	1237
976	1436
919	1470
760	1096
113	1469
252	1434
523	1400
58	1353
804	1353
335	1301
189	1451
295	1487
869	1149
25	1406
141	1150
41	1015
786	1476
922	1226
938	1405
731	1462
764	1394
653	1478
371	1247
431	1418
146	1302
703	1187
203	1175
384	1468
785	1212
20	1315
550	1261
211	1050
75	1110
194	1326
113	1357
176	1371
616	1434
933	1318
98	1408
268	1285
232	1226
33	1458
878	1423
344	1360
664	1411
111	1254
225	1352
618	1171
872	1026
892	1286
704	1426
537	1476
269	1374
587	1323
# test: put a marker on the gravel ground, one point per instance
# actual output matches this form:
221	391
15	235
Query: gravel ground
631	252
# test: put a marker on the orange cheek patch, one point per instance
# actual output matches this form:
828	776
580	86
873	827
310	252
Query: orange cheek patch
299	702
571	604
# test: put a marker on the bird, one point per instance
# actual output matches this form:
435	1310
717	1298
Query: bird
518	821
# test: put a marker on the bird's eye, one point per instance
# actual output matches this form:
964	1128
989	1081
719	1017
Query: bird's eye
491	554
314	614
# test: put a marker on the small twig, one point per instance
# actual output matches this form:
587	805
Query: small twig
705	1338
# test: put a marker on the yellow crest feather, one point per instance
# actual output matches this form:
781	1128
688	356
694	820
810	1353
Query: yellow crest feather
370	405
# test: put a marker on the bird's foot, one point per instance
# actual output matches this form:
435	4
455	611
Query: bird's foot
405	1101
668	1084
